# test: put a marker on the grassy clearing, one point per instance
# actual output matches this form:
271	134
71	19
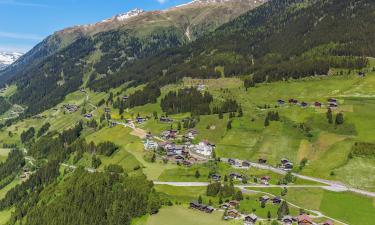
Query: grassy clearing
4	190
5	216
4	154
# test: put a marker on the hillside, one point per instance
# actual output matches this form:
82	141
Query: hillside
98	50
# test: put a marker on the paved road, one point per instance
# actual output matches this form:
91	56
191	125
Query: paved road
332	185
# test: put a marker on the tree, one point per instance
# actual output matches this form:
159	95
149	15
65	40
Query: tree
329	116
269	215
238	196
263	204
221	116
266	122
229	125
283	210
339	119
197	174
179	126
240	112
200	199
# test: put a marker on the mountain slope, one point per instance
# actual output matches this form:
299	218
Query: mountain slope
58	65
278	40
7	58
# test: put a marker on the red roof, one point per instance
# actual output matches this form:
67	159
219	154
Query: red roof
304	218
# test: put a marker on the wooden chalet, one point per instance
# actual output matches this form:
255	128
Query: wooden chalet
287	220
231	161
215	177
304	220
234	203
262	161
233	213
264	198
235	176
245	164
280	102
318	104
250	219
293	101
265	180
276	200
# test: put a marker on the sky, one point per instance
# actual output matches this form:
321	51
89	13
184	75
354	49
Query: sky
24	23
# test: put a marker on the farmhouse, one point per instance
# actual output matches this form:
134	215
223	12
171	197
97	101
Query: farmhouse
246	164
304	220
318	104
265	180
264	198
287	220
164	119
233	214
250	219
276	200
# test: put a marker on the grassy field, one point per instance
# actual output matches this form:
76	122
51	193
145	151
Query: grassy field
4	154
336	205
5	216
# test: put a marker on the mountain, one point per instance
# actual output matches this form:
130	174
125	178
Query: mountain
278	40
7	58
61	63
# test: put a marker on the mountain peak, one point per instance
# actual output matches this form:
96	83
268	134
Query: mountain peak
7	58
129	14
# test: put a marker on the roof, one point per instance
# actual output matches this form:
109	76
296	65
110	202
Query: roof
304	217
328	222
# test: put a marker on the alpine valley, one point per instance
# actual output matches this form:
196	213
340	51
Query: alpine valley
221	112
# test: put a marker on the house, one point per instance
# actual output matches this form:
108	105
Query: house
191	134
250	219
284	161
225	206
216	177
328	222
293	101
187	163
332	100
304	104
201	207
265	180
107	110
287	220
209	209
125	98
361	74
170	134
232	161
281	102
71	108
262	161
233	203
318	104
332	105
235	176
245	164
288	166
233	213
276	200
195	205
304	220
264	198
88	116
140	119
164	119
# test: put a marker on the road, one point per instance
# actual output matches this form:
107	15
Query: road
331	185
243	188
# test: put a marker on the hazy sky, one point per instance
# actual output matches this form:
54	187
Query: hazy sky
24	23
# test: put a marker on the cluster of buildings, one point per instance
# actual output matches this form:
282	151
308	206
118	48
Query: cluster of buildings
71	108
286	164
201	207
302	219
331	103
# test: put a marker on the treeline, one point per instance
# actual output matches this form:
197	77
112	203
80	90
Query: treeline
187	100
364	149
99	198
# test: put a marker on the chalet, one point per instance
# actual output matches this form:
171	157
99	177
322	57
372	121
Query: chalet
250	219
293	101
88	116
264	198
233	213
332	100
201	207
233	203
209	209
235	176
164	119
304	220
191	134
107	110
281	102
245	164
195	205
262	161
201	87
265	180
318	104
287	220
225	206
332	105
170	134
71	108
276	200
288	166
125	98
231	161
284	161
140	119
328	222
215	177
304	104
